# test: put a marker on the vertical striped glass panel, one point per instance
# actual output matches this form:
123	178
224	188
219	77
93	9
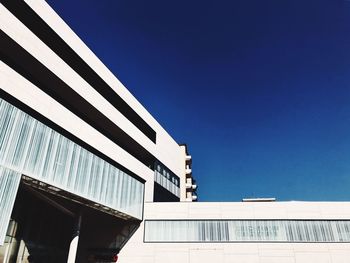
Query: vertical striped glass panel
9	182
31	148
166	179
314	231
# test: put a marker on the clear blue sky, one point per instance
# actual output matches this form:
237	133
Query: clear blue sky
258	89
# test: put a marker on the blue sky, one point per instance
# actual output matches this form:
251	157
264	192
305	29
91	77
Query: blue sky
258	89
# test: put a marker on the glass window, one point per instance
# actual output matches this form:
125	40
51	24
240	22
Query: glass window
33	149
293	231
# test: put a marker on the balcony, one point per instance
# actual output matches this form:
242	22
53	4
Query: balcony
188	171
188	158
194	186
194	198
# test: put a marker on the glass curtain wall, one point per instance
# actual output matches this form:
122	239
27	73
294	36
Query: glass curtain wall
247	231
167	179
9	182
29	147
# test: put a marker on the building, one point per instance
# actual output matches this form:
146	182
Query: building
87	174
79	155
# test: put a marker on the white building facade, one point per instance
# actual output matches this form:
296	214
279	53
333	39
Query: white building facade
72	138
84	167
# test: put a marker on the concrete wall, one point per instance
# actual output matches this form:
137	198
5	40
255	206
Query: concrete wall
136	251
183	175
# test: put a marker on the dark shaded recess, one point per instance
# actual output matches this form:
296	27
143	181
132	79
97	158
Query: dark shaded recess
30	68
163	195
99	231
42	30
47	231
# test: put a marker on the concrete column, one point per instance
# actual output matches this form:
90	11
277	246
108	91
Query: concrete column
75	240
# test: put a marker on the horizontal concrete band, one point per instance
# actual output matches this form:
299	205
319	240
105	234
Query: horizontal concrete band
29	67
35	23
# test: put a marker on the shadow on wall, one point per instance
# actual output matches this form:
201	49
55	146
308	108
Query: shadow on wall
37	232
40	233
